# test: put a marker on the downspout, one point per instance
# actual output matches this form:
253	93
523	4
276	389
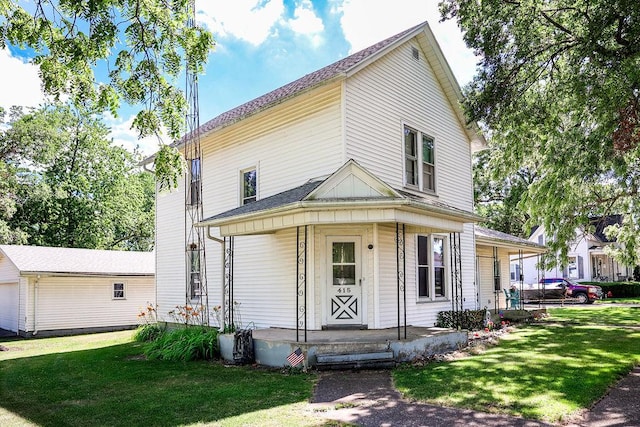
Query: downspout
223	296
36	287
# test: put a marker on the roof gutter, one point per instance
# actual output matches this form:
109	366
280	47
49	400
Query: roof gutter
351	204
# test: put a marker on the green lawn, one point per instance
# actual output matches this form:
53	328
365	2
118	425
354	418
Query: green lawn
102	380
545	371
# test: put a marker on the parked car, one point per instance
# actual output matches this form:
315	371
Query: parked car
558	289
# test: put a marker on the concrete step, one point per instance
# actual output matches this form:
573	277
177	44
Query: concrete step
369	360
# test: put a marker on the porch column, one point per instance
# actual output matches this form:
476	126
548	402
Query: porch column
456	277
401	267
301	282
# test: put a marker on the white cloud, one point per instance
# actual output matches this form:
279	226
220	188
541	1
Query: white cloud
365	22
250	20
125	136
307	23
20	83
254	21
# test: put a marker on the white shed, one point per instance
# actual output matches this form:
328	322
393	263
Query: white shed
58	291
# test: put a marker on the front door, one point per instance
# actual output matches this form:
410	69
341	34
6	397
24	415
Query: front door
344	281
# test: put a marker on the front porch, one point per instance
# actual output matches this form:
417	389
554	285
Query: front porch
273	345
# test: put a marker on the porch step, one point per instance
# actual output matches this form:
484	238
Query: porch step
369	360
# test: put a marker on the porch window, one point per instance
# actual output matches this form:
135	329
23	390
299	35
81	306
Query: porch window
118	291
438	266
419	160
249	185
431	252
423	266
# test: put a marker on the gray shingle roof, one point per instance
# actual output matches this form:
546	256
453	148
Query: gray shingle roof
281	199
43	259
304	83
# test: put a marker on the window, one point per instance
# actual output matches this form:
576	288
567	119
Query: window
423	266
195	287
118	291
194	189
249	186
419	160
431	252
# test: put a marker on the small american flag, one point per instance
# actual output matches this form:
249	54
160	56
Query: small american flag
296	357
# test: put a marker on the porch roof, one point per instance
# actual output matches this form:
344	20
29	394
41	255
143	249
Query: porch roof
514	244
350	195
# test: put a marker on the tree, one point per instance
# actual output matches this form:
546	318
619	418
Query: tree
72	38
559	88
497	198
73	187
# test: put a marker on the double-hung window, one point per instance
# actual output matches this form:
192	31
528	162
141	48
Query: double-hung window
193	197
419	160
249	186
195	285
432	267
118	291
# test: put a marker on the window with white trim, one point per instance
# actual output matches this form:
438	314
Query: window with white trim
195	286
193	198
432	276
249	186
118	291
419	160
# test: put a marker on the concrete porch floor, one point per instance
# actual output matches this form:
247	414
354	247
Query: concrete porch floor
273	345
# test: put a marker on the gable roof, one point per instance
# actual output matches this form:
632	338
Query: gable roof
602	222
340	69
42	259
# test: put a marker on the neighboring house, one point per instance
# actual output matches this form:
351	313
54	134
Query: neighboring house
58	291
587	260
494	251
341	200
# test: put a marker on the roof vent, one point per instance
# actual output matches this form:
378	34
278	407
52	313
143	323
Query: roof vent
415	53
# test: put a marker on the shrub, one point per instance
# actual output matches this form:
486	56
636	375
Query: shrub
148	332
185	344
467	319
619	289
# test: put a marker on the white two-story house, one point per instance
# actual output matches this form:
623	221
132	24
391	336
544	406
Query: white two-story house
341	200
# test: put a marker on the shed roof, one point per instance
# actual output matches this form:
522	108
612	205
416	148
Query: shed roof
487	235
42	259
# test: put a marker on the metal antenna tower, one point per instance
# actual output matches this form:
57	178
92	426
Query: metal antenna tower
195	255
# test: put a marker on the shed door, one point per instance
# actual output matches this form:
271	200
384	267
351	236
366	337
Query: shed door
9	306
344	281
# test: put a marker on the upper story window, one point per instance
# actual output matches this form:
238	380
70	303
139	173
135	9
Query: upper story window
419	160
193	197
432	267
249	185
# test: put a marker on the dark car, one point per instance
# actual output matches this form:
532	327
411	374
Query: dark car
558	289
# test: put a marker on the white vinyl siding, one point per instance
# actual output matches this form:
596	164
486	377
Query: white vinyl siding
9	297
396	91
85	302
291	149
170	250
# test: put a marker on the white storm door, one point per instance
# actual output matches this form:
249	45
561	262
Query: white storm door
344	280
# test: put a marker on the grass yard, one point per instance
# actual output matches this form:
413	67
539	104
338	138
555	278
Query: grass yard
545	371
102	380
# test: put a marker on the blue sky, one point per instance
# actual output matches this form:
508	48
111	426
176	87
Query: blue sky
263	44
